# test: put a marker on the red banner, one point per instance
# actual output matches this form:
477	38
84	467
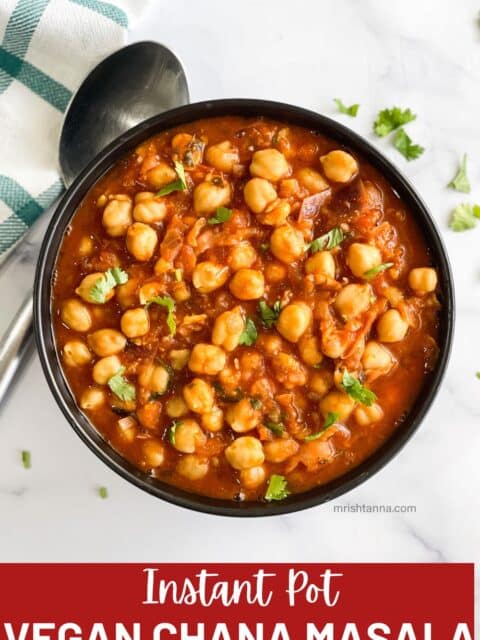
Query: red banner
236	601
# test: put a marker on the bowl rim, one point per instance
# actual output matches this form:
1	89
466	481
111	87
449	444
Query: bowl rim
43	327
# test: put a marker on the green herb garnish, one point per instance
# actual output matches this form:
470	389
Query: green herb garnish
172	431
277	488
390	119
328	241
169	304
461	182
249	334
464	217
356	390
256	403
26	459
275	427
331	419
226	397
103	492
371	273
269	315
110	279
180	184
403	143
478	375
352	110
222	214
121	387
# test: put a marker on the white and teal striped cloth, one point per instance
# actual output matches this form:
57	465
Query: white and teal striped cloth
47	47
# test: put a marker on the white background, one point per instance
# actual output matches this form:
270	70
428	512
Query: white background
422	54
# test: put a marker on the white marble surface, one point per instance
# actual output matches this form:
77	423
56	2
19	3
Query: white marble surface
425	55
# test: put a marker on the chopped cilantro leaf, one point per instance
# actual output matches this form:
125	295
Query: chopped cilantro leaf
403	143
277	488
222	214
172	431
110	279
356	390
328	241
331	419
371	273
269	315
390	119
461	182
169	304
275	427
180	184
121	387
352	110
464	217
256	403
249	334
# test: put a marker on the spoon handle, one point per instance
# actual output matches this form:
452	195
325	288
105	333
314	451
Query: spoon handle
15	344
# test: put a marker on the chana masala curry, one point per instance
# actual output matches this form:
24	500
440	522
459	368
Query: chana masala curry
244	309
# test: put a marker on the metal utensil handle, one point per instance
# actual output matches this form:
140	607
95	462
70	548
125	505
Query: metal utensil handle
16	342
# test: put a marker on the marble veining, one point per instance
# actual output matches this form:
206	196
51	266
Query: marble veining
421	55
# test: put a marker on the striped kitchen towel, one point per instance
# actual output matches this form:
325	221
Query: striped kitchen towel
47	47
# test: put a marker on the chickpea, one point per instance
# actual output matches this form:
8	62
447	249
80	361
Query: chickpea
269	164
105	368
276	213
75	353
288	370
376	356
161	175
153	453
309	349
280	450
247	284
270	344
141	241
322	265
199	396
222	156
311	180
391	327
84	289
275	272
188	436
245	452
92	399
126	294
85	247
286	243
362	257
353	300
294	320
423	280
181	291
179	358
320	382
176	407
339	166
258	193
107	342
154	377
207	359
149	290
242	417
241	256
135	322
253	477
193	467
213	421
76	315
228	328
208	196
208	276
117	216
149	209
337	402
367	415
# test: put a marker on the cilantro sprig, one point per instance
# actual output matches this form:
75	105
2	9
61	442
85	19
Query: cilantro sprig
222	214
464	217
356	390
277	488
331	419
351	111
403	143
249	333
121	387
269	315
180	184
461	182
169	304
328	241
110	279
374	271
390	119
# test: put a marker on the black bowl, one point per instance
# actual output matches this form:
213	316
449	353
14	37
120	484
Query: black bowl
43	321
